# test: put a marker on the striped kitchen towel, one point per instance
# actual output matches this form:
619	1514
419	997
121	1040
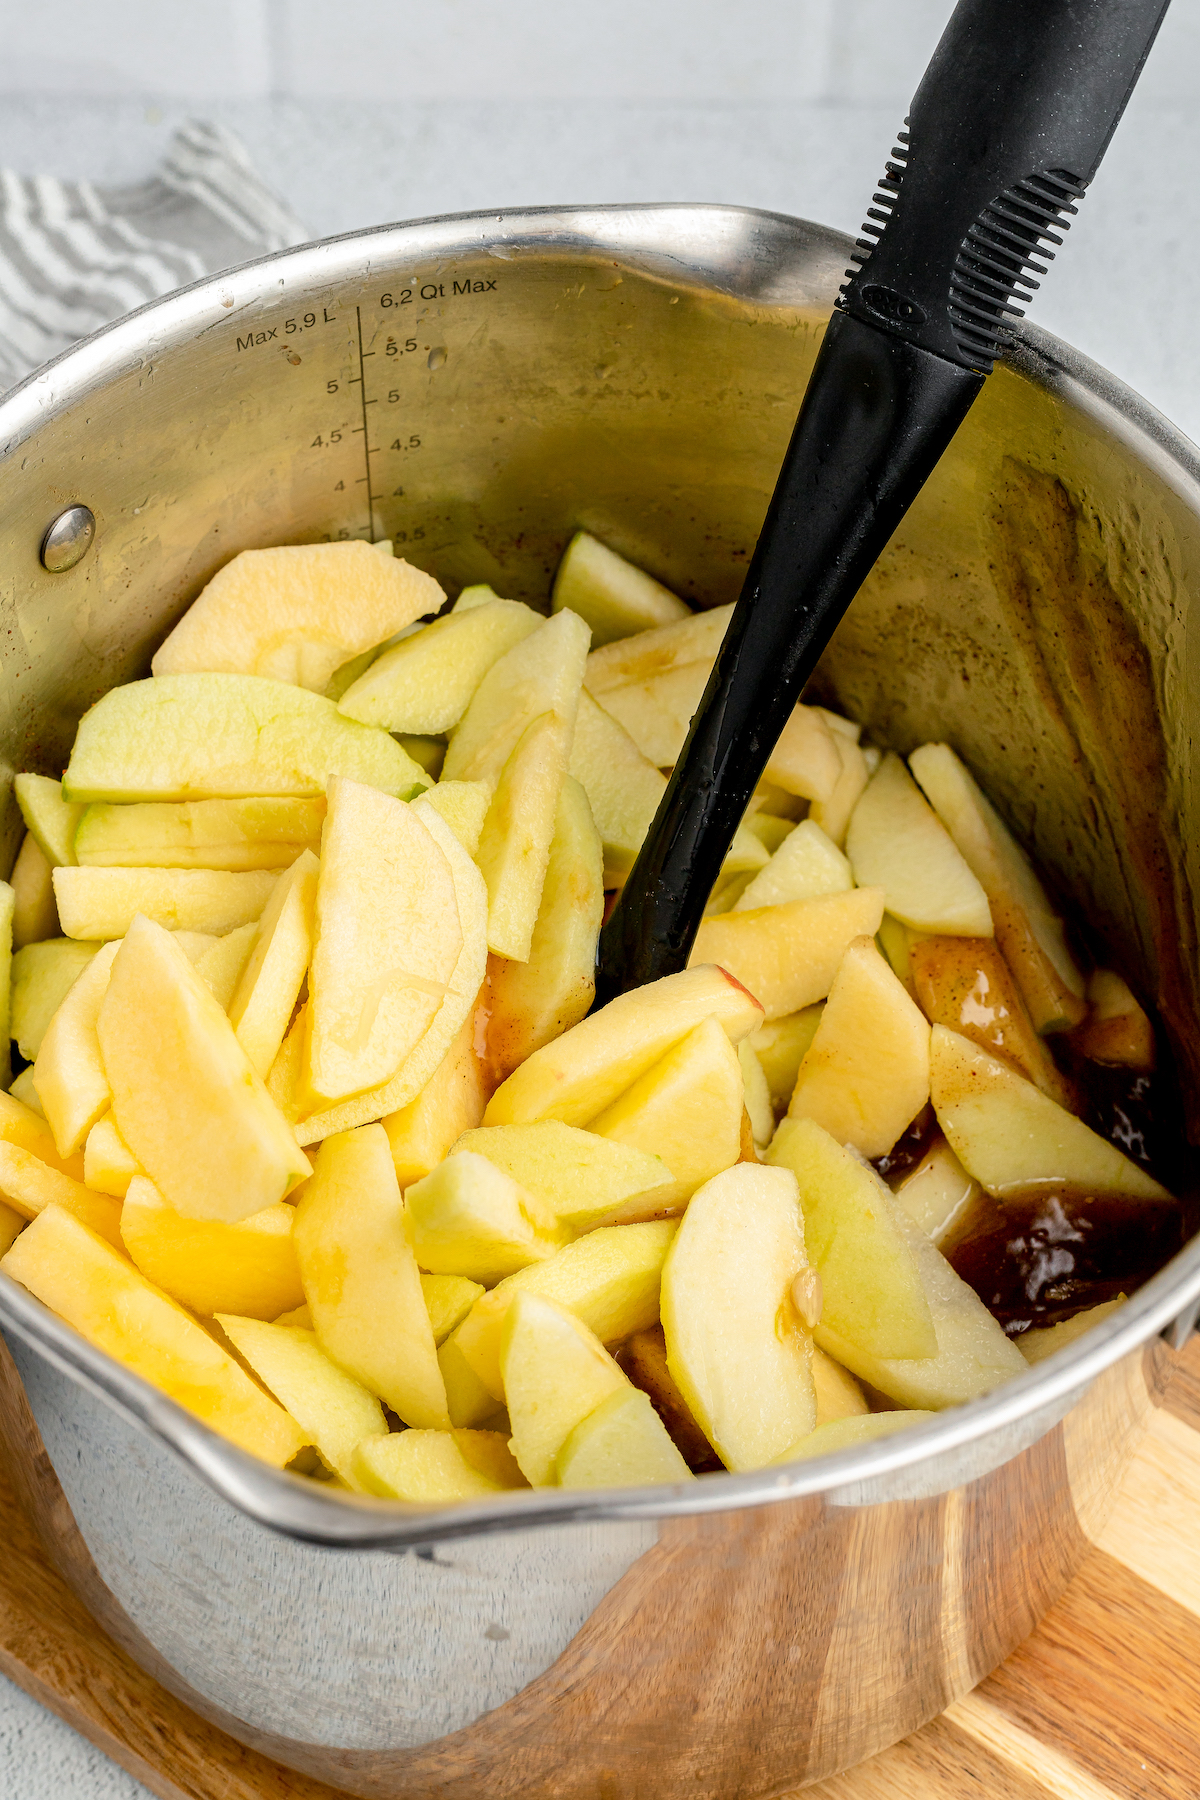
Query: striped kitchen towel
73	256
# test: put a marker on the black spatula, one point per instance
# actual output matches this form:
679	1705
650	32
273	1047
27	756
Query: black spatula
1006	131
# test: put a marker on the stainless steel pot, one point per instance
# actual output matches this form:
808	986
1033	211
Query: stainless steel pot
476	387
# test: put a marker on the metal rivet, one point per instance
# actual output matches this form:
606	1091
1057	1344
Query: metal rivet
68	539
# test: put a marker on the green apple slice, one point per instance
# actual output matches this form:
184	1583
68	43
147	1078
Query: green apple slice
623	1443
611	595
897	842
51	819
555	1373
425	683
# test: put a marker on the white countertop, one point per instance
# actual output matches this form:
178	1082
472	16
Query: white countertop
1124	289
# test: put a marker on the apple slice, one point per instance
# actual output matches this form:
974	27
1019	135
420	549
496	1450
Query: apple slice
649	654
622	786
1036	1346
612	596
426	1468
1028	930
334	1411
781	1047
806	865
464	806
579	1179
686	1109
468	1402
871	1286
32	910
609	1279
269	985
938	1192
644	1359
966	984
806	760
973	1354
865	1076
833	815
848	1433
756	1097
452	1101
222	964
1009	1135
514	846
735	1344
185	1098
622	1443
533	1002
98	1291
448	1300
787	956
386	941
657	713
234	835
100	903
581	1073
12	1224
69	1073
470	1218
109	1165
1116	1029
42	977
426	682
897	842
838	1394
51	821
21	1125
297	612
29	1185
210	1266
361	1278
555	1373
543	674
478	594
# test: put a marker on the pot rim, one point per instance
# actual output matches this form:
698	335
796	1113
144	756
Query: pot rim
682	243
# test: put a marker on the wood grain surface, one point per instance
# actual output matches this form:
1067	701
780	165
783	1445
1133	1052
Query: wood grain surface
1101	1703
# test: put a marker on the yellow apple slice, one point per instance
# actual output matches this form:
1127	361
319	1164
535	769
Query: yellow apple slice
270	983
871	1287
42	977
781	1047
471	1218
468	1402
1036	1346
448	1300
838	1394
806	865
210	1266
333	1411
649	654
865	1076
109	1165
48	817
221	966
609	1279
1028	930
533	1002
514	846
965	983
12	1224
1009	1135
233	835
579	1074
463	805
623	788
426	682
938	1192
833	815
543	674
1116	1029
555	1372
426	1468
21	1125
185	1098
806	760
213	737
756	1096
787	956
623	1443
100	903
770	829
686	1109
69	1073
361	1278
452	1101
21	1088
580	1179
643	1357
387	939
612	596
897	842
847	1433
973	1355
29	1185
33	910
735	1344
297	612
657	713
98	1291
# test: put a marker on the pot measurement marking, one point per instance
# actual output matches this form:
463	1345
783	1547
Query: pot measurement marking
361	379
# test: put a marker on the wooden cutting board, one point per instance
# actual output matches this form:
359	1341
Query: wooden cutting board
1102	1703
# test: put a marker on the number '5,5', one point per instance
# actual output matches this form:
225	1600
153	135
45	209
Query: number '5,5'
393	348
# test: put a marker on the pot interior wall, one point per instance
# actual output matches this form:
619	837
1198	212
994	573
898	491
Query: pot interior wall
635	372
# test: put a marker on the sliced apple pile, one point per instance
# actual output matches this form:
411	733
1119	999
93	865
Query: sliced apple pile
315	1128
